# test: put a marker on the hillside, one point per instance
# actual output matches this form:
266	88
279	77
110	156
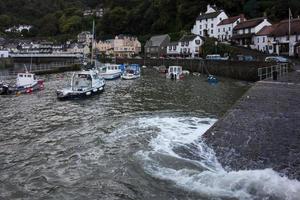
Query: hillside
63	19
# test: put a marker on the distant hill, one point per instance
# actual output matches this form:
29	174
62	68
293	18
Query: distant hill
62	19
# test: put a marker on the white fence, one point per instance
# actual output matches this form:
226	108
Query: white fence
268	72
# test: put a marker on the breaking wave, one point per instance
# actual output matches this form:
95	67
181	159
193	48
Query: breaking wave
176	153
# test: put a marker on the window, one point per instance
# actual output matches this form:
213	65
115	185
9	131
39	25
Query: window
197	42
200	32
170	48
224	29
287	37
219	30
182	44
205	25
257	40
220	18
264	39
200	26
229	28
186	43
212	31
212	25
174	47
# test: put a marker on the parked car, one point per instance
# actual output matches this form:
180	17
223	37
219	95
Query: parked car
216	57
245	58
277	59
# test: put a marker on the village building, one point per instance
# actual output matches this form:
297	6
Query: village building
85	38
157	45
244	32
4	54
18	28
207	23
225	27
189	45
173	49
282	42
78	48
262	41
121	46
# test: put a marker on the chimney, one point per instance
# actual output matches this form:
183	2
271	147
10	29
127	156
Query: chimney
208	6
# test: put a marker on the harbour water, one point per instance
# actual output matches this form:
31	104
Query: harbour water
140	139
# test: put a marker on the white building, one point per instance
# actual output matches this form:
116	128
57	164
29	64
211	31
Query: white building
4	54
206	23
262	41
78	48
282	43
85	38
173	49
19	28
189	45
244	32
225	27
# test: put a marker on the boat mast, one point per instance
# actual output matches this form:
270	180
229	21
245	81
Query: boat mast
290	16
92	54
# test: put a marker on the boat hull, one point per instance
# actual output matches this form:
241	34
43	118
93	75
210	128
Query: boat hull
111	76
61	95
130	76
10	90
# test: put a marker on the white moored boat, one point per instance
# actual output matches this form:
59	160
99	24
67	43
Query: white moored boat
83	84
131	72
25	83
110	71
175	73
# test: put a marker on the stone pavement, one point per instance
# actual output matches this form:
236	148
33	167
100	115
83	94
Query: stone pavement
262	130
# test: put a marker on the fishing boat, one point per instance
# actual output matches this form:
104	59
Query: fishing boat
83	84
131	71
110	71
175	73
25	83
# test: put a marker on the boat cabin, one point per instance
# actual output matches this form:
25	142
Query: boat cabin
25	79
82	81
175	70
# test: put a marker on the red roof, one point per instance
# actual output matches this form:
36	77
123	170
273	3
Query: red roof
249	23
231	20
282	28
266	30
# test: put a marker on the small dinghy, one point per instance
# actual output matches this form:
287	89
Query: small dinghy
83	84
131	72
175	73
26	83
212	79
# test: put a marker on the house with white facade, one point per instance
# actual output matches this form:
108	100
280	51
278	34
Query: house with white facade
173	49
189	45
262	41
18	28
225	27
244	32
207	23
282	42
4	54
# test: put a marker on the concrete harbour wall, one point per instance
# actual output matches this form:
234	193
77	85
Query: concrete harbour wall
240	70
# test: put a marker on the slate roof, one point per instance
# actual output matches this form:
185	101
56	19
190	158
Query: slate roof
231	20
249	23
282	28
209	15
156	41
187	38
173	44
265	31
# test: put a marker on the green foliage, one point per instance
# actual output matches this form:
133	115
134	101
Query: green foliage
53	18
211	46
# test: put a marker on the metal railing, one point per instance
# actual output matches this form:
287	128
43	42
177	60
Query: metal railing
9	74
268	72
